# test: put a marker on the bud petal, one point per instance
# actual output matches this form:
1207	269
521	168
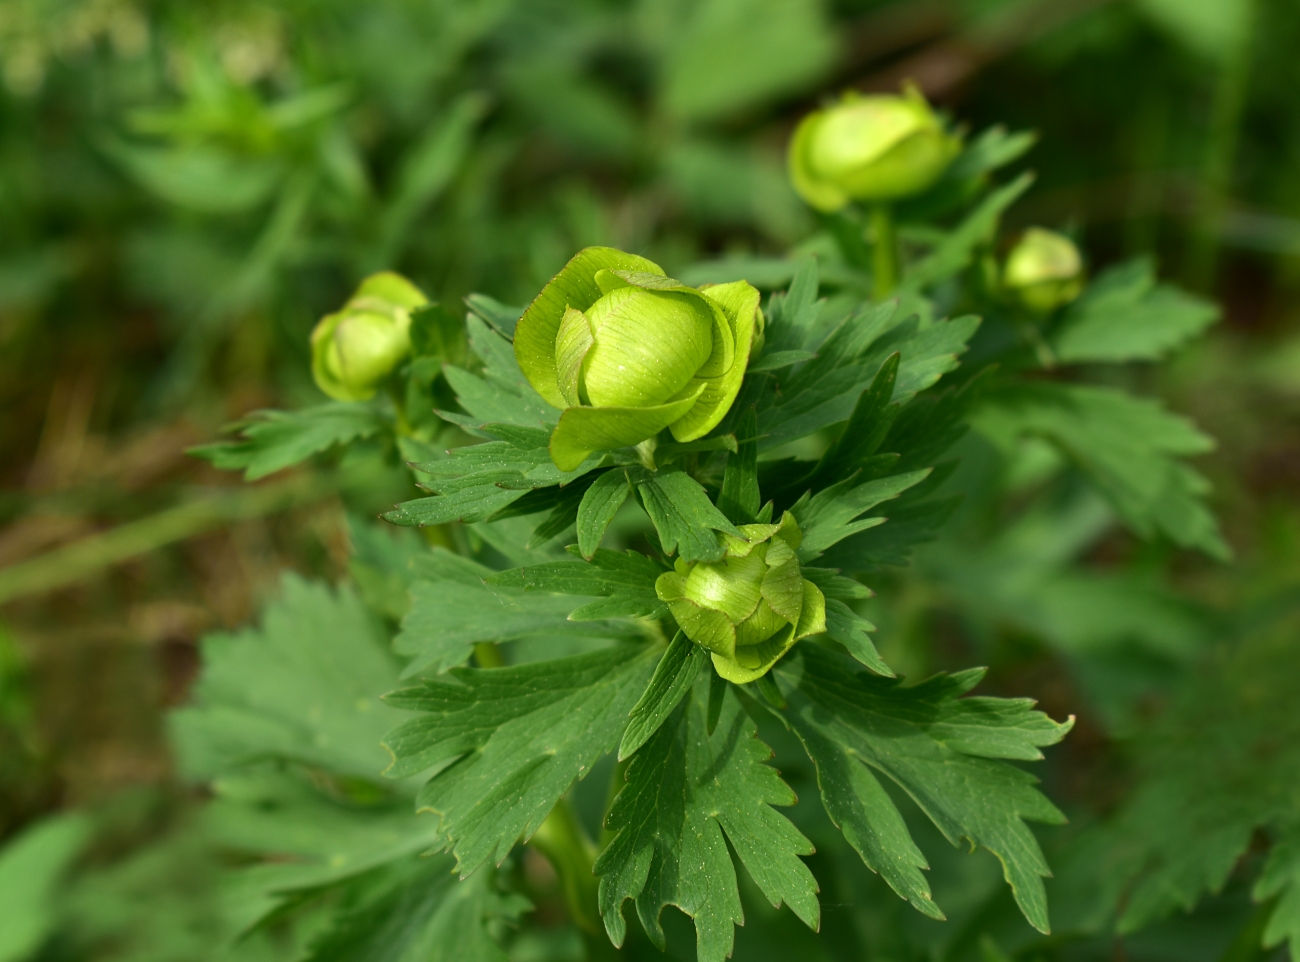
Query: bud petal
354	349
875	148
628	352
1044	270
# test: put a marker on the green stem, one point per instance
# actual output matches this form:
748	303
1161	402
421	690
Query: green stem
566	846
1230	92
884	252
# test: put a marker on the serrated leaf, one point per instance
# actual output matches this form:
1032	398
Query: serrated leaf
454	607
598	507
844	625
415	910
937	747
892	544
825	390
480	481
508	742
793	313
683	515
684	789
302	838
270	441
827	517
1126	445
673	678
503	317
739	497
1126	316
1281	880
304	687
626	579
952	254
775	360
500	393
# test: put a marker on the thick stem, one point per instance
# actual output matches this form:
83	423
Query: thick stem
884	252
566	846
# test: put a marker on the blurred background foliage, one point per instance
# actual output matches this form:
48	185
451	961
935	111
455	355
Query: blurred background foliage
185	188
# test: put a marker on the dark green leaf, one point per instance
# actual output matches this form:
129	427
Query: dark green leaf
683	515
828	516
739	498
673	678
454	607
939	748
598	507
416	909
685	788
508	742
625	579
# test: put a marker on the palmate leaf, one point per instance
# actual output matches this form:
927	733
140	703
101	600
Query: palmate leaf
1126	445
480	481
414	910
685	789
301	838
828	517
455	604
500	392
683	514
825	390
941	749
272	440
625	580
304	687
1220	767
508	742
1126	316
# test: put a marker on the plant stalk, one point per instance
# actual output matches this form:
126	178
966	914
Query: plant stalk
884	252
566	846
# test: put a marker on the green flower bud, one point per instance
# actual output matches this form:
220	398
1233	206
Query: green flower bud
752	606
876	148
354	349
1044	271
627	352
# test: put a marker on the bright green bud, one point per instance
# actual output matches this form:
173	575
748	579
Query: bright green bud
752	606
876	148
1044	271
354	349
627	352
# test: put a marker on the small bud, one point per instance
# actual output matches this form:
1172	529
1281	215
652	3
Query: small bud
627	352
1044	271
752	606
356	348
876	148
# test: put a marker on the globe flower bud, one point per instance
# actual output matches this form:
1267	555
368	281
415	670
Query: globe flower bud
749	608
354	349
875	148
627	352
1044	271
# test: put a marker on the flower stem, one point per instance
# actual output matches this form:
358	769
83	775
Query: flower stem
566	846
884	252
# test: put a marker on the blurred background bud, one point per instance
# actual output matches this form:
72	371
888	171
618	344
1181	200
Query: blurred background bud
354	349
1044	271
875	148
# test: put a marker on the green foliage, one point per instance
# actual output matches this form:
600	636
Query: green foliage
510	741
1125	445
940	749
685	788
416	137
270	441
